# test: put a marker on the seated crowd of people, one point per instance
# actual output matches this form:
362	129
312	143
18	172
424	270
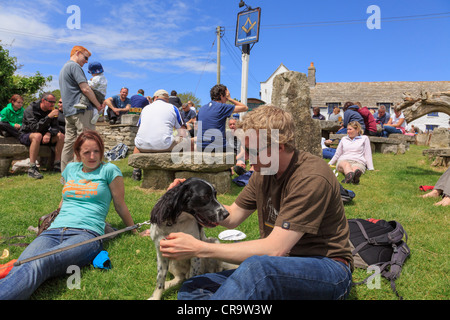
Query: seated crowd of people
41	123
374	123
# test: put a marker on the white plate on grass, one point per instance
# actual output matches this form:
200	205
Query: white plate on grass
232	235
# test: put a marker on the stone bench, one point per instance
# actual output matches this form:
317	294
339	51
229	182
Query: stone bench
395	143
160	169
328	126
11	149
441	156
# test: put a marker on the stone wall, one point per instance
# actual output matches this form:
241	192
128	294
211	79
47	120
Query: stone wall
370	93
114	134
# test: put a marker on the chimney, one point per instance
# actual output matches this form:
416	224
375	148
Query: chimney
312	75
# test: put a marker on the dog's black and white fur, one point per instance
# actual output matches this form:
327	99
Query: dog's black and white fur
185	208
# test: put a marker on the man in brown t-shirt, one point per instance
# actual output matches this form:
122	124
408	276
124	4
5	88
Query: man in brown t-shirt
303	252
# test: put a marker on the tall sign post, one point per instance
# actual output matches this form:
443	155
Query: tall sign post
247	33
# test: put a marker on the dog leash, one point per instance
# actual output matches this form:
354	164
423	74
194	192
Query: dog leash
107	235
14	244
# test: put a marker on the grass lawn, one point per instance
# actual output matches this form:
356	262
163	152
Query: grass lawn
390	192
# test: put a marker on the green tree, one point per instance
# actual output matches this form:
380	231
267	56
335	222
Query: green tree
11	83
57	94
189	96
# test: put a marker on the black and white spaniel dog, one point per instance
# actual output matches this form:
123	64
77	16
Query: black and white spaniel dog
186	208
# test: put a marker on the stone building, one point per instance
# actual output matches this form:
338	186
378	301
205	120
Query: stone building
371	94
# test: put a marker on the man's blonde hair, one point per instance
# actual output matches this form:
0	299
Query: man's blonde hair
80	49
269	117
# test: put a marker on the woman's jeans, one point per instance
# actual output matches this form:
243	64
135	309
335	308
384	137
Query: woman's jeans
23	280
328	153
389	130
273	278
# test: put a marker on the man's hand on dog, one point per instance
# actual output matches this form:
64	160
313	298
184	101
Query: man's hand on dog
175	183
180	246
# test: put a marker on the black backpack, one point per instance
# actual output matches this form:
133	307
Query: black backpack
379	244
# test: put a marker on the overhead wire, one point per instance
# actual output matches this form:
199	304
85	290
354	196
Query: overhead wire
204	66
269	26
235	57
331	23
356	21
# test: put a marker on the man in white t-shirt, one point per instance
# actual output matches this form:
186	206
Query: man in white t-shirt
156	126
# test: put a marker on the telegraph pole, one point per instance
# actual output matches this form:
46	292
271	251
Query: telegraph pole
219	34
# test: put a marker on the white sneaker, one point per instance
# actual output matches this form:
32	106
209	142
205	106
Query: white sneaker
80	106
95	118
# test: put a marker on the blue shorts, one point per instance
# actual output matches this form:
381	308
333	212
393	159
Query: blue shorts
24	139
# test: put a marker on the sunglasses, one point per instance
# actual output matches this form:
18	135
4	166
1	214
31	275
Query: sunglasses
85	58
255	152
51	101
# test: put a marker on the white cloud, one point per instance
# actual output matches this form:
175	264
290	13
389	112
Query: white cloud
52	85
195	65
149	31
20	29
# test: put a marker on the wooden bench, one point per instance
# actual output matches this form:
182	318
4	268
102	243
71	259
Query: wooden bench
395	143
160	169
11	149
441	156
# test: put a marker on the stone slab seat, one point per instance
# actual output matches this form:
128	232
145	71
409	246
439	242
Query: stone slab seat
329	125
441	156
403	137
395	143
160	169
11	149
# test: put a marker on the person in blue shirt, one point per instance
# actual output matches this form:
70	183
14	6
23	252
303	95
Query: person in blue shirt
139	100
351	114
212	118
189	116
381	116
118	105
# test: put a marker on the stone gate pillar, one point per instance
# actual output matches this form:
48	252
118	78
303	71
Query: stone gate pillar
291	93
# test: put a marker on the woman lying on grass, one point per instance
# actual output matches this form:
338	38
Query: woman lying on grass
90	184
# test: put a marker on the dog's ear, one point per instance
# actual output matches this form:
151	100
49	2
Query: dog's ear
170	205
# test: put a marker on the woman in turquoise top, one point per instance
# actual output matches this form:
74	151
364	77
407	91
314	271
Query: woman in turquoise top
90	185
11	117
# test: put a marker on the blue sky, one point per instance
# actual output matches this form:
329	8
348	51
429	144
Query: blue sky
171	44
